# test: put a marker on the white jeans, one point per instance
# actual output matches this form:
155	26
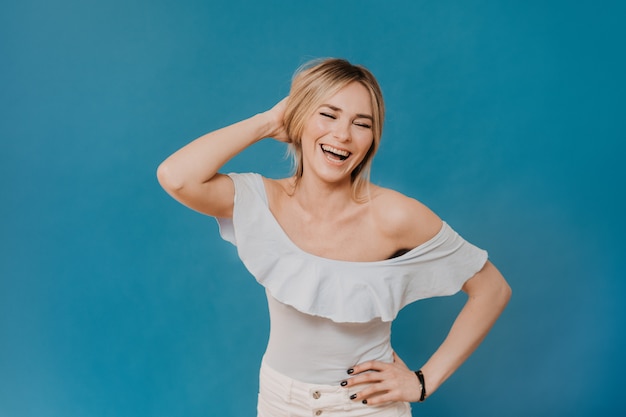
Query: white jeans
281	396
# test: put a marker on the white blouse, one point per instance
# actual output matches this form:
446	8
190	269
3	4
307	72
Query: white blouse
328	315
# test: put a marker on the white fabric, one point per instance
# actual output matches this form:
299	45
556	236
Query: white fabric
282	396
318	350
345	292
327	315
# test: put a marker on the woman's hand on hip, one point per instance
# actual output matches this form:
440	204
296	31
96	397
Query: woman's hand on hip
388	382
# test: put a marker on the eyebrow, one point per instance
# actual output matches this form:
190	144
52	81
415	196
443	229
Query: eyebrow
359	115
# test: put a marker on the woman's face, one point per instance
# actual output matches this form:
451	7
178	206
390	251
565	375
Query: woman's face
338	135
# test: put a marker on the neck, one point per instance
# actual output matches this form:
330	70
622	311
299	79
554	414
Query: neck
321	198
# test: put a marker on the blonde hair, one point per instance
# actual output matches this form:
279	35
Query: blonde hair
313	83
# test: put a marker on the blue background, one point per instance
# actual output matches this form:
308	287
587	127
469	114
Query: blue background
506	118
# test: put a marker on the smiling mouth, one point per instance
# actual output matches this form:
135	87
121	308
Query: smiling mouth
334	153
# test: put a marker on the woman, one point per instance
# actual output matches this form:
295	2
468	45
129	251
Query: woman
337	255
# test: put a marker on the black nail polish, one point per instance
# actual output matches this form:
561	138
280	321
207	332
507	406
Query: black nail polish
353	396
364	401
350	371
344	383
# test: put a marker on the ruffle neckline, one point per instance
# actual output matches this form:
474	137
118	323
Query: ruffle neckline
342	291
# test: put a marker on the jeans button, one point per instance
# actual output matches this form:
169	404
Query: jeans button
317	395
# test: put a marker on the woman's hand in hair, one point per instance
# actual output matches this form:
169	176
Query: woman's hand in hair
276	116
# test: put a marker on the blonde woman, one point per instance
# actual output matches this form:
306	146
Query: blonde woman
337	255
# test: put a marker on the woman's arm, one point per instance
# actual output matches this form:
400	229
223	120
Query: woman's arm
190	175
488	293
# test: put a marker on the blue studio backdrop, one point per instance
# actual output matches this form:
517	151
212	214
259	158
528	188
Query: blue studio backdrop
506	118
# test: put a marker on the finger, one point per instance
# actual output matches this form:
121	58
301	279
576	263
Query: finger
363	378
368	366
382	392
381	398
373	394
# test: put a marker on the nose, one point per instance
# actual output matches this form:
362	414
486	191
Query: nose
341	131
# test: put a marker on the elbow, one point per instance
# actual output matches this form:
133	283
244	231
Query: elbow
167	179
501	293
490	286
499	288
505	294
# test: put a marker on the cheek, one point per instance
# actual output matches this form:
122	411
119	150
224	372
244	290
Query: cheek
365	139
318	126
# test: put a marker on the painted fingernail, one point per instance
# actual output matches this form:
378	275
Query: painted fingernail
350	371
344	383
353	396
364	401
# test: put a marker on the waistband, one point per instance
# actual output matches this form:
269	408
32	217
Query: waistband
280	395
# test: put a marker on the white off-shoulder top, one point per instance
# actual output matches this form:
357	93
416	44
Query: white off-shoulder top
328	315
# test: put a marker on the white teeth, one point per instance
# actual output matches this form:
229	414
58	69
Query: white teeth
336	151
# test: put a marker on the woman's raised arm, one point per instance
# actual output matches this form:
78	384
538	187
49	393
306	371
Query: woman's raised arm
190	175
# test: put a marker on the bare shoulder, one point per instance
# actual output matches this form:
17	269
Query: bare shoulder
406	219
280	185
277	190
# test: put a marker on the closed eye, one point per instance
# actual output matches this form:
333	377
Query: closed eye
363	124
328	115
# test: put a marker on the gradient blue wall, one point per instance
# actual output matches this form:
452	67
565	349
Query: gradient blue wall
506	118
